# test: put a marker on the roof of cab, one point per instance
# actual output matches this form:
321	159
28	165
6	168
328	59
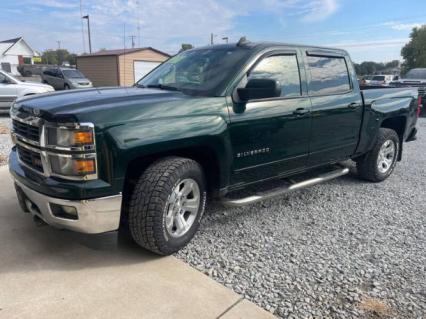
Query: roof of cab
260	46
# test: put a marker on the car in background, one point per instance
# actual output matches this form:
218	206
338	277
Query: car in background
11	88
415	78
63	78
381	80
366	79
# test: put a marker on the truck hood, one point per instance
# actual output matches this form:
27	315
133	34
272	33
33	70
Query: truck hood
36	85
78	105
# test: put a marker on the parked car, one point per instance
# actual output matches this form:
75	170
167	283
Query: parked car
381	80
63	78
11	88
366	79
209	120
415	78
28	70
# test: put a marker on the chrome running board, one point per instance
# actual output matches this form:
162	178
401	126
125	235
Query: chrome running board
286	189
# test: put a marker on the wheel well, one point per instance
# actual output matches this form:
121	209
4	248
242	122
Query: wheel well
203	155
398	125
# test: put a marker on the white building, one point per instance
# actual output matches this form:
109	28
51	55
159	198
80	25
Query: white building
14	52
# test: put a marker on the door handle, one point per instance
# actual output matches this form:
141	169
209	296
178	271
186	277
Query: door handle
353	105
301	111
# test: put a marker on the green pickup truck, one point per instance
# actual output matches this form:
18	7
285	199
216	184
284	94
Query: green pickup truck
208	121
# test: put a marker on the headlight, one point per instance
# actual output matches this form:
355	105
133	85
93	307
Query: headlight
69	166
62	137
71	150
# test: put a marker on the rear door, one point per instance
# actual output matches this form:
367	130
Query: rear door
271	136
336	106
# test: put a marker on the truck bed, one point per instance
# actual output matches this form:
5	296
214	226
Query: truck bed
372	95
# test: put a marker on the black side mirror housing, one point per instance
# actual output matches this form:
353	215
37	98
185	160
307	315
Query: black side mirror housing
259	89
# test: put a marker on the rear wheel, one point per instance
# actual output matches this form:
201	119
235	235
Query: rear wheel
167	205
66	87
379	163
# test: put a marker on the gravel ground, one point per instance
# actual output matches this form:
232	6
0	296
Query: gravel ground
344	249
5	142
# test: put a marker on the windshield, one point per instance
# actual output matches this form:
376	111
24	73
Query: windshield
378	78
76	74
416	74
203	72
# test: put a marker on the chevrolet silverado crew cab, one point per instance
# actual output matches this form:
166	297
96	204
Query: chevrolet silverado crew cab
211	120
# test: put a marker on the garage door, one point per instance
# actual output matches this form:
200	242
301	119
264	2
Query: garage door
141	68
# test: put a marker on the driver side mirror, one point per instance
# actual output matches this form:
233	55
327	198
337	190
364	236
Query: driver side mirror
259	89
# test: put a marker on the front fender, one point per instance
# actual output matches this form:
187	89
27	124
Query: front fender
132	140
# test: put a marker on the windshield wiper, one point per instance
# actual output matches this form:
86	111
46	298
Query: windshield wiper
162	87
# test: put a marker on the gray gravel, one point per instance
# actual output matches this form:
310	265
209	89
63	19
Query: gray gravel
5	142
344	249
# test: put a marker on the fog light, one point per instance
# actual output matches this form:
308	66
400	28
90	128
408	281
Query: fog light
61	211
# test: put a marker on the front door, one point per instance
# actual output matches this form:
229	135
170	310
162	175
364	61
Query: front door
8	91
336	108
270	137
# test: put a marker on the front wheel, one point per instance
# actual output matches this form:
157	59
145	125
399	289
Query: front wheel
167	205
379	163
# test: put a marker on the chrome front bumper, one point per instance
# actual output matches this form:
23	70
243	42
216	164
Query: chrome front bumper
95	216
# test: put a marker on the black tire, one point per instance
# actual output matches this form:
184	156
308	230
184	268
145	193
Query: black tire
66	87
150	204
367	165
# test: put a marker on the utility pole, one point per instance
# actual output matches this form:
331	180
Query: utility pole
133	40
226	39
59	44
211	38
82	27
139	24
88	31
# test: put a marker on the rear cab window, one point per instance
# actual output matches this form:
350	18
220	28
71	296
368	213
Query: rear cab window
284	69
378	78
328	75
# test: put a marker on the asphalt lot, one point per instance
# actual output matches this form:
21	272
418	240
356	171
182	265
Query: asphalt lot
344	249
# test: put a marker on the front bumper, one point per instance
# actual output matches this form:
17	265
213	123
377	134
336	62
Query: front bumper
94	216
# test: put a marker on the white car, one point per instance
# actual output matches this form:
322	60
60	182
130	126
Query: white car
382	80
11	89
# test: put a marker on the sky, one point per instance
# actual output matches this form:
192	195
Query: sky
368	30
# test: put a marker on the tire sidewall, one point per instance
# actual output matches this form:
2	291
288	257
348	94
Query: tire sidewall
386	137
195	173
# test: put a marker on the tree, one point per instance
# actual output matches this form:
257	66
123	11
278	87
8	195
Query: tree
58	57
414	52
186	46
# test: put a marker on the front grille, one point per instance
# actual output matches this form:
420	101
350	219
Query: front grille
30	158
27	131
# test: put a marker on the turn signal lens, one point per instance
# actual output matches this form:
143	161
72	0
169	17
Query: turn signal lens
84	166
83	138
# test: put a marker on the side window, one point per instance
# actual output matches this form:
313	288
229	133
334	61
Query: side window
2	78
329	75
283	68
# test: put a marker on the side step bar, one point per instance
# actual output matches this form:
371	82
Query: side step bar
286	189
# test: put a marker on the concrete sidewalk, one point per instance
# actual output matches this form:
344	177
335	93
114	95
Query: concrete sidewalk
48	273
